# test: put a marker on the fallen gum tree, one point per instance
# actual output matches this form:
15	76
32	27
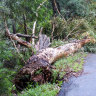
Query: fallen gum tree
42	61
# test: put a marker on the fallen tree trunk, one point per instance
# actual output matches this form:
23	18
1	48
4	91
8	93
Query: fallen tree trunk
42	61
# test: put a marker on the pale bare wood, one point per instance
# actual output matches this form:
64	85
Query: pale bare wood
33	33
44	42
53	54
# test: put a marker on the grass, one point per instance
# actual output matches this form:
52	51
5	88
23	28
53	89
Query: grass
73	63
42	90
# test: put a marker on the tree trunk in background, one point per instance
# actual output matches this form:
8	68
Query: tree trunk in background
14	27
42	61
55	6
25	27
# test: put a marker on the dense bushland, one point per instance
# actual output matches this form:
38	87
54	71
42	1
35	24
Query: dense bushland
76	20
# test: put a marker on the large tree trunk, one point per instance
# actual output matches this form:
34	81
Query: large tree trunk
42	61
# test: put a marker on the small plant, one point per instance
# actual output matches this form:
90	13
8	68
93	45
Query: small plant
42	90
90	47
57	43
71	8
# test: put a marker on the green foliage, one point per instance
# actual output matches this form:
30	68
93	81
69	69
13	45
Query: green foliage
42	90
72	8
56	43
6	77
60	28
75	28
4	52
9	56
90	47
10	63
6	74
47	28
92	18
32	9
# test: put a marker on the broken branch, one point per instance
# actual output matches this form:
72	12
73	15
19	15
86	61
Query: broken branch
14	37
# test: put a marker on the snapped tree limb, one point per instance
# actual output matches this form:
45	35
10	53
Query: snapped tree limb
15	37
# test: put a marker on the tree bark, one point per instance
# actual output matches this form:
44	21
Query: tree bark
43	60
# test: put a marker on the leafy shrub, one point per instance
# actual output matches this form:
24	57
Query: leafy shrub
8	54
72	29
90	47
10	62
42	90
60	26
74	8
6	77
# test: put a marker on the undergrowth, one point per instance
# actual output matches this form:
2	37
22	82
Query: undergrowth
90	47
10	63
41	90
